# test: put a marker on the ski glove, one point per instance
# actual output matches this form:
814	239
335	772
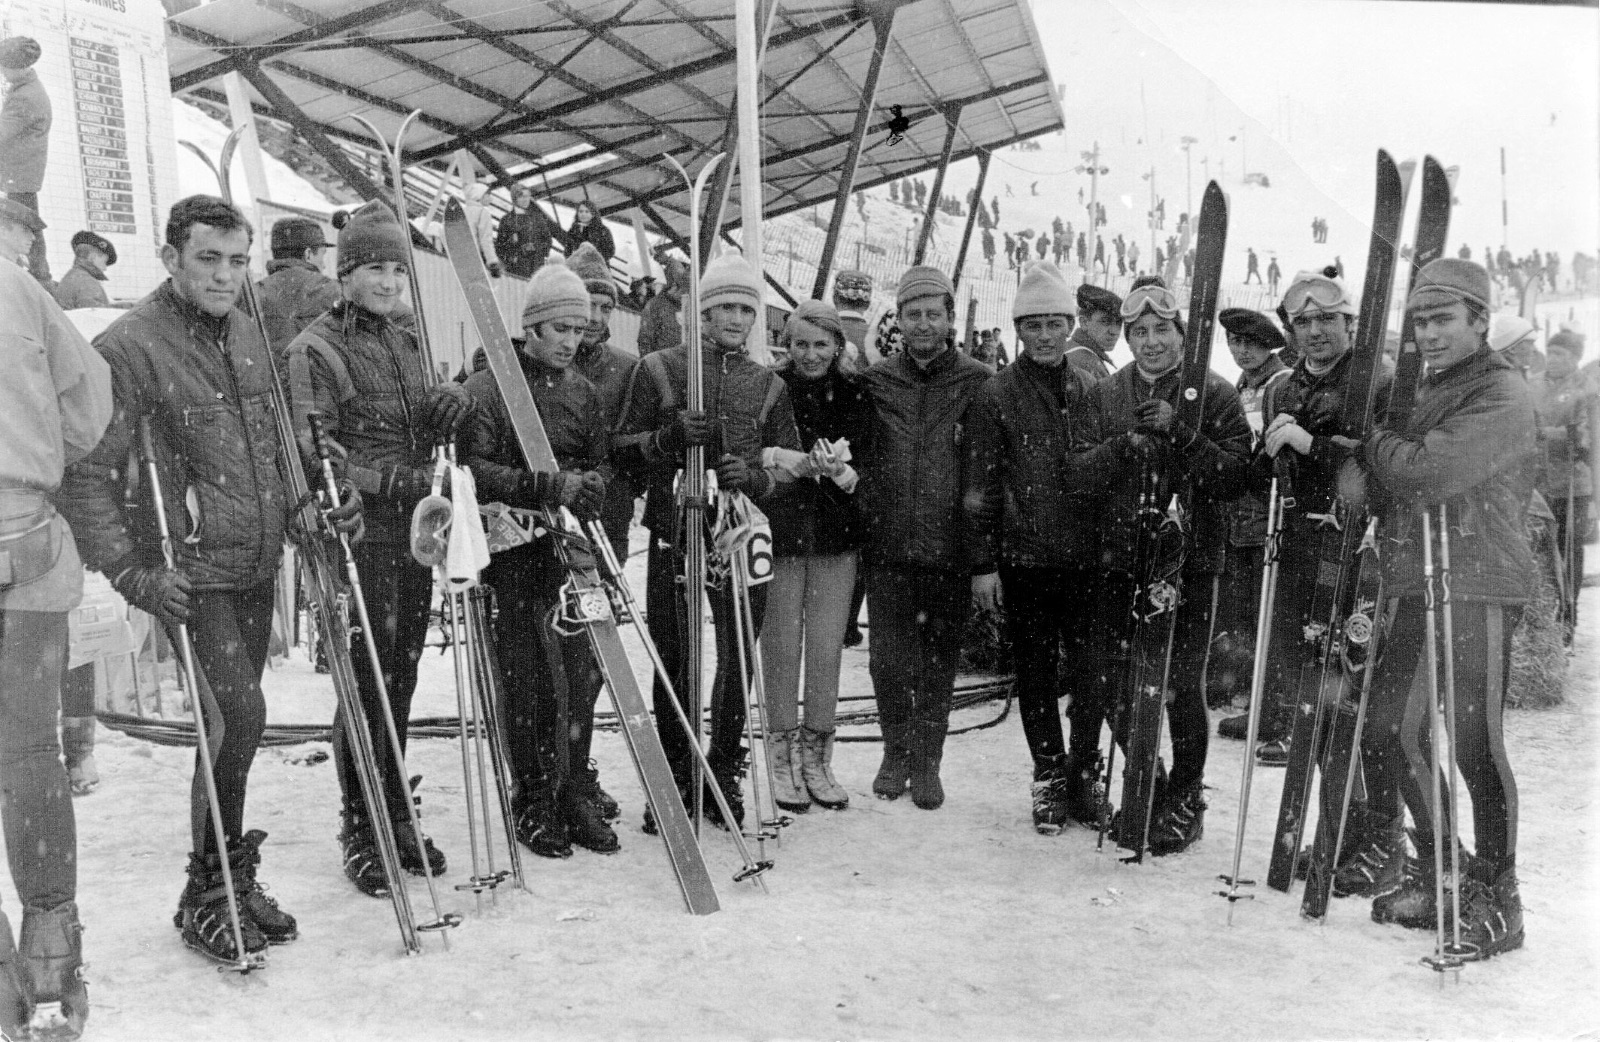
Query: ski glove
590	496
735	475
347	517
687	428
158	590
548	490
1284	431
1152	417
443	410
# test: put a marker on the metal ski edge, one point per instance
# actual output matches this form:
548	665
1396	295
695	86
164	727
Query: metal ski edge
473	276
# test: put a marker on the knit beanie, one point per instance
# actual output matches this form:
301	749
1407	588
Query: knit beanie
1567	339
587	263
1043	291
371	236
1447	280
729	279
555	291
19	52
819	314
923	281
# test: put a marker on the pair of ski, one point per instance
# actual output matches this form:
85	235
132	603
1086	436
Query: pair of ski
1344	630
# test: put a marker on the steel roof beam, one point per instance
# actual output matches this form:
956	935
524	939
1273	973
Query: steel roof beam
308	129
952	119
972	216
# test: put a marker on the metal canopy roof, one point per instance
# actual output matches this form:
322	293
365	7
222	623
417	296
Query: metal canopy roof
589	94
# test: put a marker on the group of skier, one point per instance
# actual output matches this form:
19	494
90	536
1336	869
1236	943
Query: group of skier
942	482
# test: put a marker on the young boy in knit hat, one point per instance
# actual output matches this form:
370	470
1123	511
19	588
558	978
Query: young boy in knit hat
747	411
1032	480
919	558
1464	455
549	710
364	373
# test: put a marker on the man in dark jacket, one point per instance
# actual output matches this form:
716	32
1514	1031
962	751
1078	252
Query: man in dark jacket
1459	463
1564	398
523	240
1136	410
747	410
919	563
80	287
659	328
1033	482
186	361
366	377
295	290
25	119
549	696
1099	327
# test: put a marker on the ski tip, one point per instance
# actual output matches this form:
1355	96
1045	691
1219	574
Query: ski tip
453	209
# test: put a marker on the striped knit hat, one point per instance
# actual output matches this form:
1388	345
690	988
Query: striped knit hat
555	291
590	266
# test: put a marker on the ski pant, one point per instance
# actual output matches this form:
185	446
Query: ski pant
35	800
668	614
918	616
532	656
1287	651
1050	612
77	691
399	594
1397	746
807	604
1574	560
230	630
1188	725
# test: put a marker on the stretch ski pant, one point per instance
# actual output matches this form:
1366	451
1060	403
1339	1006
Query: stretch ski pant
1049	612
398	592
807	604
1396	745
35	801
918	615
1188	725
532	666
230	630
1288	649
668	613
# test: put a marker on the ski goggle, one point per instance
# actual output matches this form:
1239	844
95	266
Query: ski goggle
1314	290
1159	299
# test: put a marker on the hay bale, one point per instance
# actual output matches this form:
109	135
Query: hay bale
1538	651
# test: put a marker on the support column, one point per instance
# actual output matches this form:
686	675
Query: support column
722	178
952	119
972	217
882	22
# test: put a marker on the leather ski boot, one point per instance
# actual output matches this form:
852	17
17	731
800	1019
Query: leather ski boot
1375	862
539	824
205	920
609	809
1087	803
244	857
788	779
727	774
816	769
1180	820
586	825
1491	914
405	840
362	864
1413	904
927	752
16	1008
51	947
1053	784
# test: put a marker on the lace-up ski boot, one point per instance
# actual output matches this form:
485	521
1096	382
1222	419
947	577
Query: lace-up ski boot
586	825
788	778
51	947
539	823
590	775
816	769
362	865
276	925
1053	784
16	1008
203	916
1180	820
1087	803
1412	904
1491	914
1375	863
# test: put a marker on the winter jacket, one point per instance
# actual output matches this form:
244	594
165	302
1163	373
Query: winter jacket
364	375
1212	465
1247	515
55	402
659	328
911	492
569	408
523	241
594	232
80	288
749	403
1086	356
1035	477
291	297
1565	439
206	385
481	221
610	369
1315	403
1469	444
817	516
25	118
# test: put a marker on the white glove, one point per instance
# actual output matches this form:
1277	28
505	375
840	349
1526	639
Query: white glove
792	462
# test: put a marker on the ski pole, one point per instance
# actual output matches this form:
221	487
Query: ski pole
1441	960
442	920
619	586
477	882
1258	684
243	962
487	702
757	685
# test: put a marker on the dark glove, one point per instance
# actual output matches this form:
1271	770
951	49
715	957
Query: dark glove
735	475
687	428
346	518
158	590
494	269
591	495
1152	417
443	409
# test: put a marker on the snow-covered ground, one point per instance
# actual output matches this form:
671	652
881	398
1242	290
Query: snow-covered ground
882	921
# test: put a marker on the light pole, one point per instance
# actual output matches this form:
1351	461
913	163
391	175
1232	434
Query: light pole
1091	166
1151	177
1187	143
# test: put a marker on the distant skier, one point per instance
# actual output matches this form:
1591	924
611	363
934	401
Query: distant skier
1252	266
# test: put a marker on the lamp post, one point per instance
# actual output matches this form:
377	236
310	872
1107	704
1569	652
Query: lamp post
1091	166
1150	176
1187	143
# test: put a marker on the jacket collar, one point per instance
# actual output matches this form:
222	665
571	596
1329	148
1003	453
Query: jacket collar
98	276
1250	381
199	321
941	363
1480	361
1080	338
279	264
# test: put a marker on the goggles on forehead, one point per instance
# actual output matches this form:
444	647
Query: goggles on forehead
1159	299
1312	290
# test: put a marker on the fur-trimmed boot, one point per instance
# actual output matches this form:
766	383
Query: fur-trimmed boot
51	947
816	768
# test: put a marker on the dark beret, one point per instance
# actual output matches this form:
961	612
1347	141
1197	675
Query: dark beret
1252	326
